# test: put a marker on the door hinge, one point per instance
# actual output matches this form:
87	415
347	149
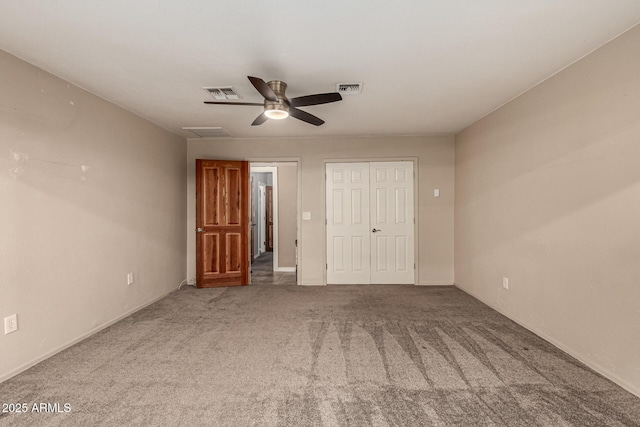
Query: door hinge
414	265
326	266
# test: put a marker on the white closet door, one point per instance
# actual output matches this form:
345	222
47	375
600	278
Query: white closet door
348	231
391	188
370	223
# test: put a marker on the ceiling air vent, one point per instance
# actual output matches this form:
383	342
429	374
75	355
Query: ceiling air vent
349	88
222	93
209	132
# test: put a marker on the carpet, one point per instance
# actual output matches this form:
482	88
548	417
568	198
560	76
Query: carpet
316	356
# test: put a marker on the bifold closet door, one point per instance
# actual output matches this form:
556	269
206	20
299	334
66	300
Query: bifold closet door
348	241
369	211
391	222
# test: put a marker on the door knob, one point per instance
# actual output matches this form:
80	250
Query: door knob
375	230
200	230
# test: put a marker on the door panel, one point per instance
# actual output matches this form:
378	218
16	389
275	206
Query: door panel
348	244
234	251
211	259
222	220
211	193
233	184
380	253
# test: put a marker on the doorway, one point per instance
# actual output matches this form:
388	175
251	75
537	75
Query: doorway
370	223
274	223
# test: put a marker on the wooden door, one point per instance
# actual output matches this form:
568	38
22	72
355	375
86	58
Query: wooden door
222	221
253	221
269	219
262	239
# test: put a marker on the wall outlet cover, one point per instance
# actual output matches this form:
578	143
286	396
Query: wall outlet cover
10	324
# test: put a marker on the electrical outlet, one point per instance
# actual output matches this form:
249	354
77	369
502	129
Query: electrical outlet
505	282
129	278
10	324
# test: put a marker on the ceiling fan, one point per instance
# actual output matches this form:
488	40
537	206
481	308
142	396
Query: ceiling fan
277	106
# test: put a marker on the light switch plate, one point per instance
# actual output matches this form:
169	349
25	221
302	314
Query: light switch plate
306	216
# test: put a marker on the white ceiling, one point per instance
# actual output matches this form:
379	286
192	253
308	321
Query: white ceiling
428	66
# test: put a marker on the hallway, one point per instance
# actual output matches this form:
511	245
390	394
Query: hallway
262	272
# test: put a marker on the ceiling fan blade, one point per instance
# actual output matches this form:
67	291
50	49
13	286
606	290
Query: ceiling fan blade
263	88
259	120
233	103
305	117
320	98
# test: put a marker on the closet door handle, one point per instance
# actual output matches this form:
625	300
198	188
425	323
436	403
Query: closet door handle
375	230
200	230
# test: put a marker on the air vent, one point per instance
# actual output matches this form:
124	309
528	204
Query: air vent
349	88
209	132
222	93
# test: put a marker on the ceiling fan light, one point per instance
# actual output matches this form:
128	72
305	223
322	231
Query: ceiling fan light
276	114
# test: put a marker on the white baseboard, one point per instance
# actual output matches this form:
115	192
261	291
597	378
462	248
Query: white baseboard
631	388
285	269
434	283
86	335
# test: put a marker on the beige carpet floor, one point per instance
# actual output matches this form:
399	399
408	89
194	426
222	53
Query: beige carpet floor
325	356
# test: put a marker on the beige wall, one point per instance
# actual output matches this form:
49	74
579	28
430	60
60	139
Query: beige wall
435	166
88	193
287	214
548	194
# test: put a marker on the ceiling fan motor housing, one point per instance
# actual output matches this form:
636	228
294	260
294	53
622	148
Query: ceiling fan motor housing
278	87
277	109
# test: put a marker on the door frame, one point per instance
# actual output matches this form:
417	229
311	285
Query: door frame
416	203
270	163
273	170
262	214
